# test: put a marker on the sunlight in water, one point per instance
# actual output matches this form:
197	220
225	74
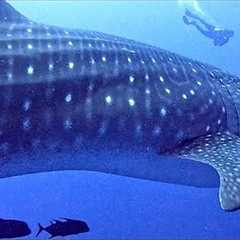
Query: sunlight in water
193	4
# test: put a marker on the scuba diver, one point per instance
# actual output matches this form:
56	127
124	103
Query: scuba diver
220	36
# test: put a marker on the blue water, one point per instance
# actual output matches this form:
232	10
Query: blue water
119	207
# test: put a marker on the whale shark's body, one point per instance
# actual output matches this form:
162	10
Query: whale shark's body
60	87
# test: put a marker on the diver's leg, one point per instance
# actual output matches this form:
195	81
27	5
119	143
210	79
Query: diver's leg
204	32
207	25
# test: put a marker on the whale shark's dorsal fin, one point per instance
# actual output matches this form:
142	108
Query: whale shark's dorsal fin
10	15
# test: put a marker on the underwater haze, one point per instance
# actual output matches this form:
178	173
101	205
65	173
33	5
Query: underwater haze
184	205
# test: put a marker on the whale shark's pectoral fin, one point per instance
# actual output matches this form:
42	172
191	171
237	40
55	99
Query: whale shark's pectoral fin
221	151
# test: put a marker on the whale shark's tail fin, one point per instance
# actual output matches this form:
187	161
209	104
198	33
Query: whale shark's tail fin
9	15
221	151
41	228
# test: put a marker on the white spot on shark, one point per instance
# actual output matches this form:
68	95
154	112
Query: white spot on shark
167	90
161	78
30	70
194	70
26	105
129	60
92	61
147	91
131	79
192	92
30	46
71	65
131	102
163	111
26	124
153	60
108	99
68	98
50	66
199	83
184	96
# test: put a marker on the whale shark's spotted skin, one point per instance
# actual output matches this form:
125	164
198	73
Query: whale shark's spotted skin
63	84
102	85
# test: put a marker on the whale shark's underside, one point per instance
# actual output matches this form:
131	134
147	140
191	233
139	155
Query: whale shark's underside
69	90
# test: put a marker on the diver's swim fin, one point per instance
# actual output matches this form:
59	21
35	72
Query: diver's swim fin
221	151
186	21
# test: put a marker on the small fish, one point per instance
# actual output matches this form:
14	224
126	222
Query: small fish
64	228
13	228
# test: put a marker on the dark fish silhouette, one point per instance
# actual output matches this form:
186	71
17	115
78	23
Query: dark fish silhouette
61	87
13	228
64	228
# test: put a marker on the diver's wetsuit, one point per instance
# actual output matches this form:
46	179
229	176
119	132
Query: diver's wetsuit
220	36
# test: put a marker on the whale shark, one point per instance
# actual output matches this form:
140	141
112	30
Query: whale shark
71	90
